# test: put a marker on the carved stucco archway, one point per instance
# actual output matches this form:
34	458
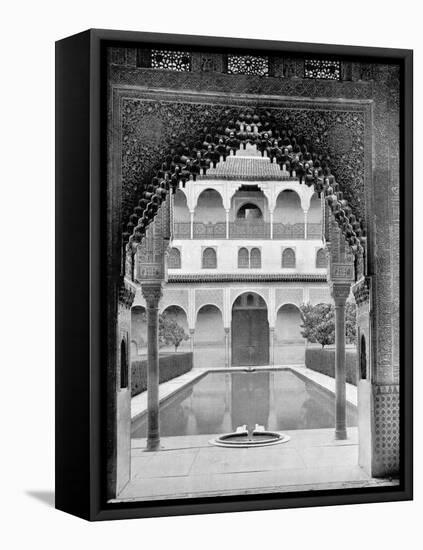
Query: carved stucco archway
345	225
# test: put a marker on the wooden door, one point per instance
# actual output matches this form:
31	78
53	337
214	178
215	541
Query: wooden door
250	337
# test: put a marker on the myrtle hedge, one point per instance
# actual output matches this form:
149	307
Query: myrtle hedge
323	361
171	365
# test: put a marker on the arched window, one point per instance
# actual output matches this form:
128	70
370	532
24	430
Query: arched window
209	258
123	365
174	260
363	358
288	258
243	258
321	258
255	258
249	211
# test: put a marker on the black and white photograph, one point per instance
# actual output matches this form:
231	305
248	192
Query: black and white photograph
210	300
253	251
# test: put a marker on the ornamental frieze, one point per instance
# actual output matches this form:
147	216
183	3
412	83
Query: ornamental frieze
150	128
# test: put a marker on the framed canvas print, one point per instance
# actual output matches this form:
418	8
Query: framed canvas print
234	282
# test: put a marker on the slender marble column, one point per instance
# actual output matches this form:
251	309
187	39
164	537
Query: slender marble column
227	223
340	293
305	224
271	224
272	345
152	293
227	346
191	338
191	224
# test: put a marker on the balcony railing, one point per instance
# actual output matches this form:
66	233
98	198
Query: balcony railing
182	230
209	230
247	230
314	231
288	231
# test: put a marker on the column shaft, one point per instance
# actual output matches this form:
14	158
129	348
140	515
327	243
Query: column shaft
191	338
272	345
152	294
340	371
227	347
192	225
227	224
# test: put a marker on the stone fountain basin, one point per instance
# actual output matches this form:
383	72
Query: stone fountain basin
242	440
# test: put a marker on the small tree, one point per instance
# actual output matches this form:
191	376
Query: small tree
170	332
351	323
319	323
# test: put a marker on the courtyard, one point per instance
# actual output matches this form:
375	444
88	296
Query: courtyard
190	466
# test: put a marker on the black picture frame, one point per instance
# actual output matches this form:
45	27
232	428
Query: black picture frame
81	445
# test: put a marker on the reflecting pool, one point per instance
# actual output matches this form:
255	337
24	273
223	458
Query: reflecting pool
221	401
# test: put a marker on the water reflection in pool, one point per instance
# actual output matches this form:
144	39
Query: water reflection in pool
220	402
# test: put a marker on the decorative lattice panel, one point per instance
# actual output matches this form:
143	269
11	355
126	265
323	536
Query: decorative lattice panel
320	296
387	431
171	60
209	296
248	64
174	297
322	68
288	296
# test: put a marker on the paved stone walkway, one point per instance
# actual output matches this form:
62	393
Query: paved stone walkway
189	466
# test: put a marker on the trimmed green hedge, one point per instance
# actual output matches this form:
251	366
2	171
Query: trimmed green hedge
171	365
323	361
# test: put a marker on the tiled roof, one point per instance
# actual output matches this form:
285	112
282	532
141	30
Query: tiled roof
247	164
250	277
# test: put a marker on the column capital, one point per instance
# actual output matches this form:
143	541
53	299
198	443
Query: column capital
361	290
152	293
340	292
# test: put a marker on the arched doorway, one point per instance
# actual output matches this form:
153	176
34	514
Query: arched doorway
288	216
288	325
289	344
209	216
209	339
249	214
182	228
250	330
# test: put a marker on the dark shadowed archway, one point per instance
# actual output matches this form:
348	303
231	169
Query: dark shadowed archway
250	330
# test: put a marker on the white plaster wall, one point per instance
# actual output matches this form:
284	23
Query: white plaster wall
227	255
